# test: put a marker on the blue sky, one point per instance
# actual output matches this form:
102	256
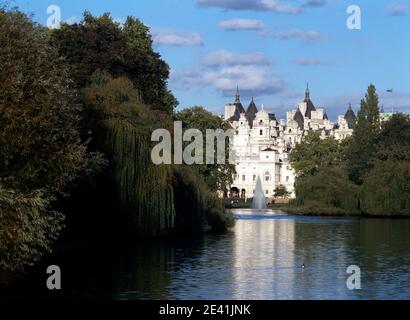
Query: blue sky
270	48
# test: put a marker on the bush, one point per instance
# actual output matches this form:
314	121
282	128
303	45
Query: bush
329	188
386	189
197	208
27	230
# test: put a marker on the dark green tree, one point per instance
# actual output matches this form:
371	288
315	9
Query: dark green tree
362	146
393	142
216	176
314	153
281	191
40	149
99	43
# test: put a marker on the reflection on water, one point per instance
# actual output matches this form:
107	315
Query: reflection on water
260	258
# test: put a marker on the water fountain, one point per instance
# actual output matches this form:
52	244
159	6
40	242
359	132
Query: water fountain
259	201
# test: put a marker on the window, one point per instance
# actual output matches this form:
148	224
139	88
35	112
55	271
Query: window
267	176
243	177
287	167
261	132
267	157
254	177
287	179
267	191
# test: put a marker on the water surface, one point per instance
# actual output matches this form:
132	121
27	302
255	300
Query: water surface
260	258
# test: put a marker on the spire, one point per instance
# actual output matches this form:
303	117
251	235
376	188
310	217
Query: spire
307	92
237	95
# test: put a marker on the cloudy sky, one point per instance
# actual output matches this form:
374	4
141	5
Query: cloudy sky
269	48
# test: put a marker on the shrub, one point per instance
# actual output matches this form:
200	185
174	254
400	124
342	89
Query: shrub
328	188
386	189
27	230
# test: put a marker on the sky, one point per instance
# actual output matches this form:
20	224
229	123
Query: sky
271	49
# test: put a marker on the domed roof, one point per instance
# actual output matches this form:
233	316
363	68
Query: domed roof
350	117
298	117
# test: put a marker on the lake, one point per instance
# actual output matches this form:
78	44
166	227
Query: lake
260	258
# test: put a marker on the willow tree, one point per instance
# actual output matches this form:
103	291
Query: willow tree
122	127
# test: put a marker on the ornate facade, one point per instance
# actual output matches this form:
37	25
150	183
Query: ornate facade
262	142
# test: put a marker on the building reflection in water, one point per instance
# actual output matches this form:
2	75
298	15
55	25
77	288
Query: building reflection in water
264	258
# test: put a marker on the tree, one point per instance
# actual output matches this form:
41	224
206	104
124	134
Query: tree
99	43
314	153
362	146
40	148
393	142
40	144
281	191
386	189
218	177
329	190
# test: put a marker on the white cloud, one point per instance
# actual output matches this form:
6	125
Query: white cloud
171	37
225	57
277	6
302	35
242	24
315	3
223	71
397	9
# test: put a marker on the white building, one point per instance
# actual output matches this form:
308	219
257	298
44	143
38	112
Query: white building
262	143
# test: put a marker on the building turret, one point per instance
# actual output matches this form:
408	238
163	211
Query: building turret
251	112
309	104
298	117
350	117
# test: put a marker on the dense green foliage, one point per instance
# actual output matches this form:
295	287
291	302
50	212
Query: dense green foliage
77	109
40	148
197	208
122	126
328	188
99	43
315	153
27	230
367	173
281	191
386	189
362	146
217	176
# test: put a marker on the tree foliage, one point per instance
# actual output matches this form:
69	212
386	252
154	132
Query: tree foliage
362	146
314	153
40	145
99	43
386	189
328	189
281	191
216	176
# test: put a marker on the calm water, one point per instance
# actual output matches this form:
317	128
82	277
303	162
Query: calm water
260	258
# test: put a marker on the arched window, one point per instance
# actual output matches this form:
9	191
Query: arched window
267	176
261	132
